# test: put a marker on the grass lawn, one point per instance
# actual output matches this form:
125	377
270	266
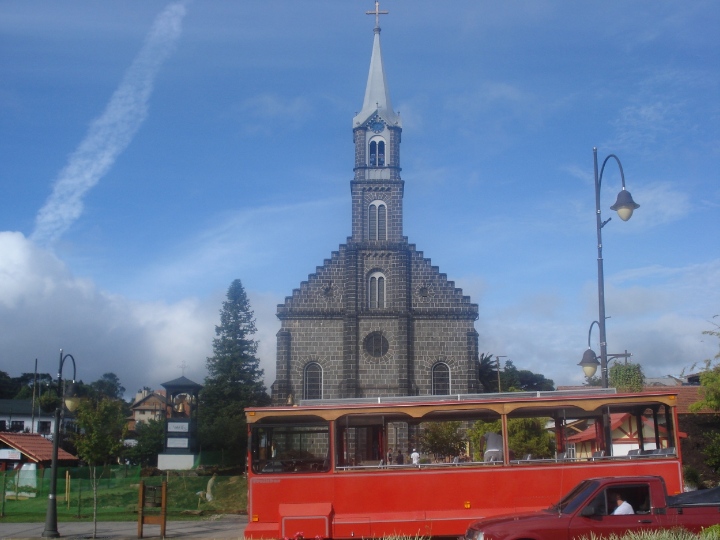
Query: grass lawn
118	499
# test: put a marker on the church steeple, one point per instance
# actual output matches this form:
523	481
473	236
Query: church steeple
377	189
377	94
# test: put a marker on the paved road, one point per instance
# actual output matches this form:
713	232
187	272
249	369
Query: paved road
229	526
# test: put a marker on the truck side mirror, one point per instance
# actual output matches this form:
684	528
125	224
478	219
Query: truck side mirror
588	511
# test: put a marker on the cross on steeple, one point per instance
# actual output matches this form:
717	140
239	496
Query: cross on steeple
377	13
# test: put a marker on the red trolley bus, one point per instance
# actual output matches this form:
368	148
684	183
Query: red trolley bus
320	468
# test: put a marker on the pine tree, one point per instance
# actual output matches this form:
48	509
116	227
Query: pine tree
235	379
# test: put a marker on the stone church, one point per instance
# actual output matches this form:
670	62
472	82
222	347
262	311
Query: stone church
377	318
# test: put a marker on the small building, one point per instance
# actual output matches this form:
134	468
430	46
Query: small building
16	416
28	453
625	436
147	405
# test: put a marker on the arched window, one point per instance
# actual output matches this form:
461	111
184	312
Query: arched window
440	379
312	388
377	221
376	290
377	153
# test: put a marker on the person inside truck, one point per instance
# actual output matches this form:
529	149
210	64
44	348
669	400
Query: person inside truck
623	507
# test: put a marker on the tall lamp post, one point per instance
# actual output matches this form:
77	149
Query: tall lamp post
71	400
624	206
498	370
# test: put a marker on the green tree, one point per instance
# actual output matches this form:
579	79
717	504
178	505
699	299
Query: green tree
710	379
442	439
108	386
709	390
7	386
526	436
523	380
710	398
100	440
234	378
487	372
626	377
150	438
715	333
25	392
529	436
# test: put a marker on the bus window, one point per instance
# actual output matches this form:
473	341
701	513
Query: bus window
290	448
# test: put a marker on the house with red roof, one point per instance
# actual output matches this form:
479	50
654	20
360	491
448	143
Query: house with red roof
625	436
28	453
16	449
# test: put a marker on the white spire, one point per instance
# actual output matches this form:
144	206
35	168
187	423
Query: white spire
377	95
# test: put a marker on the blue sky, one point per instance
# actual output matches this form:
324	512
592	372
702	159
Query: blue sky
153	151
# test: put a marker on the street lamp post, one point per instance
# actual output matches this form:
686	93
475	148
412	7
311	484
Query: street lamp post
70	399
589	362
624	206
498	369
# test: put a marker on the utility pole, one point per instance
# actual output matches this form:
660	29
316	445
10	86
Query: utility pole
498	370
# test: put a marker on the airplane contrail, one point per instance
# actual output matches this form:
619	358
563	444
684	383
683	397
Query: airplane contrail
109	134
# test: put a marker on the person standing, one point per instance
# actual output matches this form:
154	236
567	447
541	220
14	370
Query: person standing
415	457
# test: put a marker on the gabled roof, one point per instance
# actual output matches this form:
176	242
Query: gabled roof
34	446
140	403
182	383
16	406
616	420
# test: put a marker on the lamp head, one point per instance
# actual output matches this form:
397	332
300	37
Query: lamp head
72	396
589	363
624	205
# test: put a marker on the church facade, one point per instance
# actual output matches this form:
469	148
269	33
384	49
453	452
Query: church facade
377	318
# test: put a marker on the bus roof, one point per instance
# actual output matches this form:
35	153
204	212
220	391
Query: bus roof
419	407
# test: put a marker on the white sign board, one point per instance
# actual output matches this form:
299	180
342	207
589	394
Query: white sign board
177	443
178	427
7	453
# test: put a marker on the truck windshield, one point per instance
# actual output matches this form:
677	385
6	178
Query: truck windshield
571	501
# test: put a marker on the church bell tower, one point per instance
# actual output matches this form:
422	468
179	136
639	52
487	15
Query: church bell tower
377	189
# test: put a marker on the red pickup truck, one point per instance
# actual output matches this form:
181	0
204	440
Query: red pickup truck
588	510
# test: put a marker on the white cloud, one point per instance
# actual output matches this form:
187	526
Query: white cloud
491	96
668	203
247	243
640	126
658	314
260	113
112	132
43	308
